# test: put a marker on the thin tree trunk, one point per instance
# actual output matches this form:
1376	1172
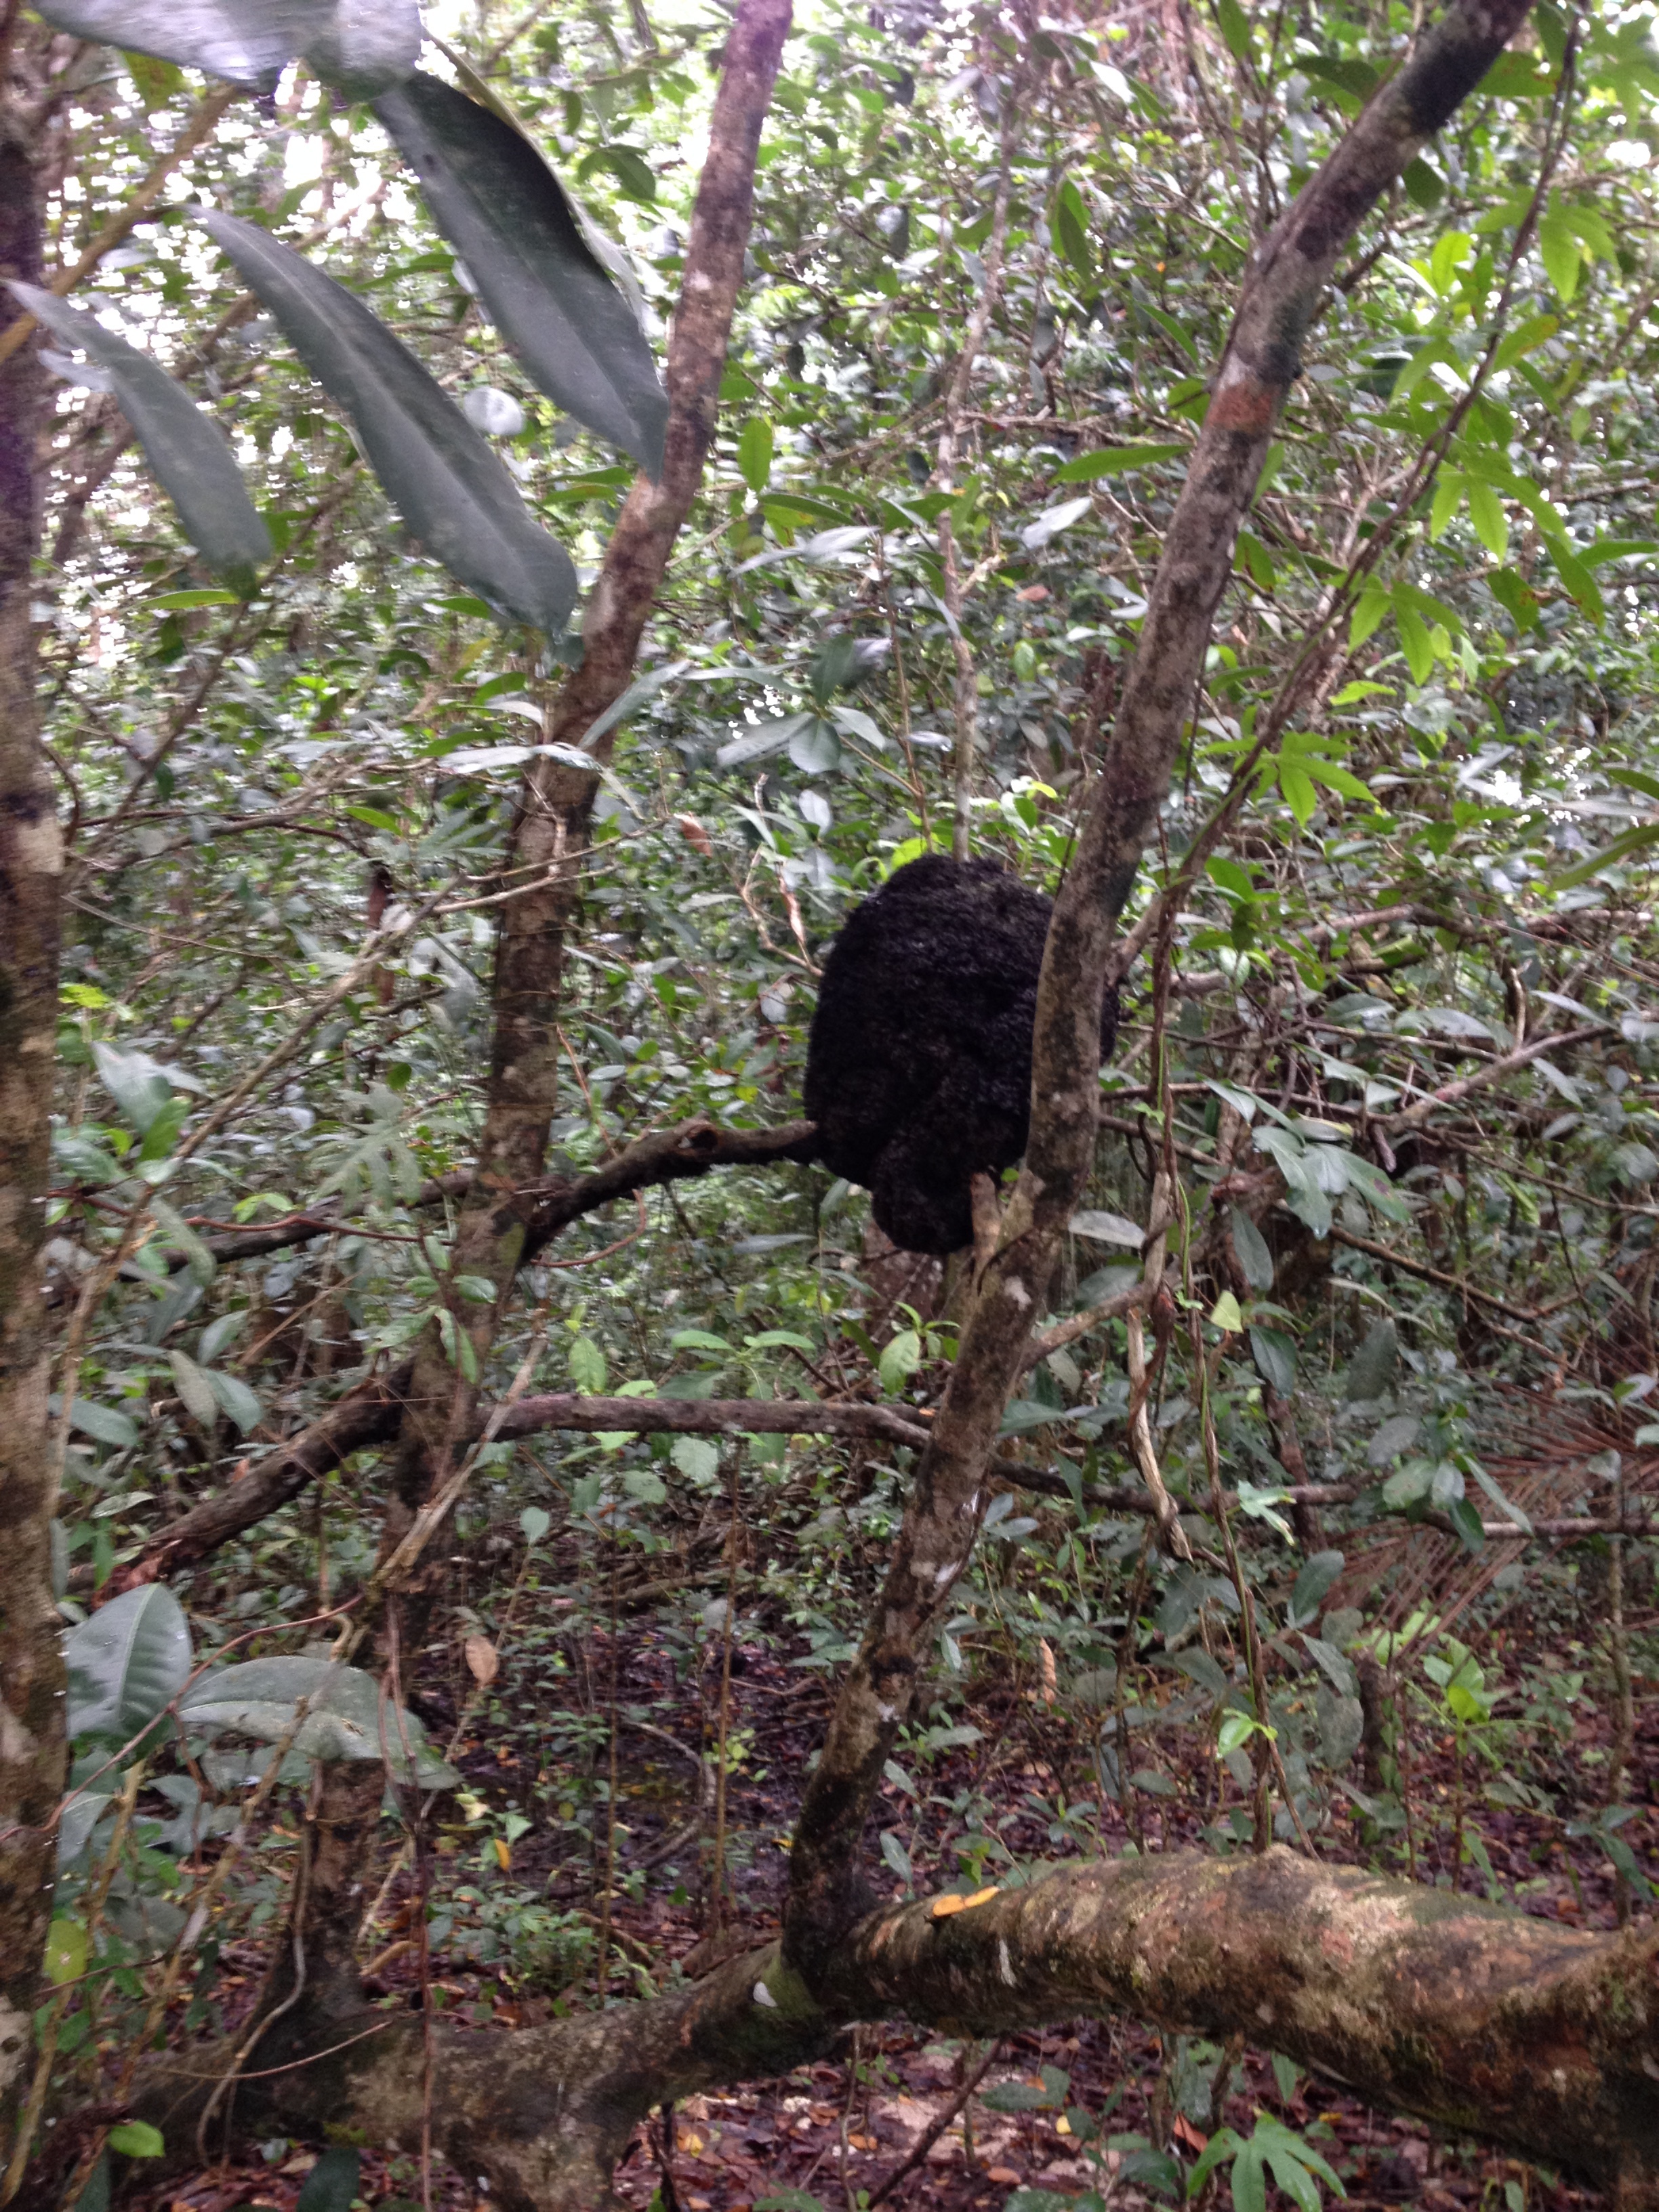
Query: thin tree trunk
1286	284
32	1747
549	843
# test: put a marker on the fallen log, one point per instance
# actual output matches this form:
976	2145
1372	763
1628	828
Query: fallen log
1541	2038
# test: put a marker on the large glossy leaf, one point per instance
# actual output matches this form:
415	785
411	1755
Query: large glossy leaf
452	490
363	45
344	1717
505	212
185	447
126	1664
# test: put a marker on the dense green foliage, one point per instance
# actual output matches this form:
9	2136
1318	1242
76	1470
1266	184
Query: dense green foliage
1441	629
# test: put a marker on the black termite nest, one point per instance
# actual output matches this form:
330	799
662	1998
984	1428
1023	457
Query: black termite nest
918	1068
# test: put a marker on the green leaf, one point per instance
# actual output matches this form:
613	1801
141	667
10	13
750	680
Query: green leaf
1338	779
188	451
1415	643
1448	498
194	1389
66	1958
1102	1226
1558	250
235	1400
104	1425
628	166
1251	1246
361	45
895	1854
1505	1505
1492	525
815	748
1409	1485
697	1458
142	1087
332	2182
899	1359
1297	787
1275	1357
1312	1584
179	1236
762	739
1371	612
1225	1315
1250	2184
535	1522
1372	1370
588	1371
1234	26
1517	597
1514	75
126	1662
1293	2178
346	1718
1113	461
1466	1521
1633	841
1234	1733
754	453
1349	71
1616	548
507	214
1577	578
1424	186
156	82
1070	229
136	2139
449	487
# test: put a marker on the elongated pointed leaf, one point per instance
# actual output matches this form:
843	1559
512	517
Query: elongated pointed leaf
362	46
125	1662
449	486
185	447
505	212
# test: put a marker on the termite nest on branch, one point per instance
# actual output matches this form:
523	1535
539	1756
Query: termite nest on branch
919	1067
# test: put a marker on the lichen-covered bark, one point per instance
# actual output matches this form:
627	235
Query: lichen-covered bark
1535	2035
32	1748
1519	2029
1282	291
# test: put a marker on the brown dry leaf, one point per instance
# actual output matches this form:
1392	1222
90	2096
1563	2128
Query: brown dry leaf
694	834
483	1661
1050	1679
1004	2176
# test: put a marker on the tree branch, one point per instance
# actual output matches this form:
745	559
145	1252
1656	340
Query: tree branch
1283	290
1542	2038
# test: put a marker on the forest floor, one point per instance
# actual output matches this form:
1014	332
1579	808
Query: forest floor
854	2132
